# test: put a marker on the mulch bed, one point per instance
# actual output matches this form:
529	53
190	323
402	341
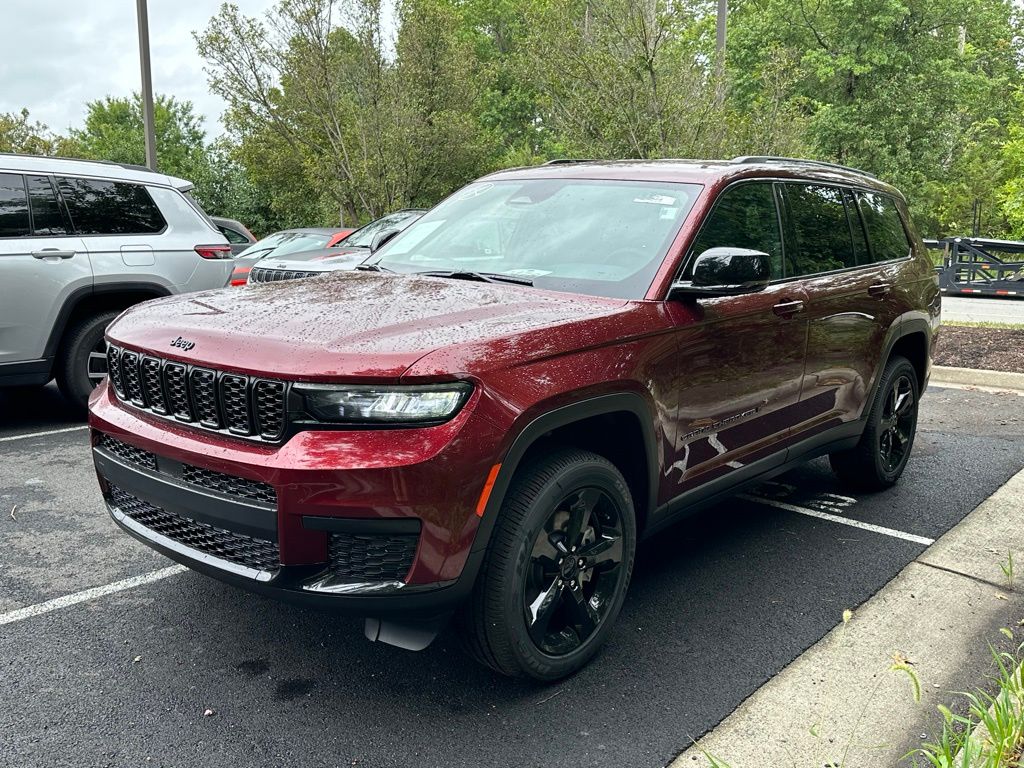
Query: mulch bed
994	349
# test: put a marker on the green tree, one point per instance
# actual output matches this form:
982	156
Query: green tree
19	134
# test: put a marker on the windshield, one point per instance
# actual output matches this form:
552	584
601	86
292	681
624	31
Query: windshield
363	237
603	238
282	243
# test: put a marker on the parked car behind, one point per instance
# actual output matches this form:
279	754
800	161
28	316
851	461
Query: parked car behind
283	243
550	365
79	242
347	254
237	234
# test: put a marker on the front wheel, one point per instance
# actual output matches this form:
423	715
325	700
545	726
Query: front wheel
556	572
878	460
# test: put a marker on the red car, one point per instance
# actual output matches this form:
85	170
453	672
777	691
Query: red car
550	365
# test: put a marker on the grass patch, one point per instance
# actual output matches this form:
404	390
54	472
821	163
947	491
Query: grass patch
991	734
982	324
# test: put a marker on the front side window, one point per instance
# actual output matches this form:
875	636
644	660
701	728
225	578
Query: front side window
47	216
884	226
13	206
596	237
363	237
744	216
822	239
109	207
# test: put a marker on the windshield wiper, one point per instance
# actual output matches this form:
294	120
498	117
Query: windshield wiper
372	268
482	277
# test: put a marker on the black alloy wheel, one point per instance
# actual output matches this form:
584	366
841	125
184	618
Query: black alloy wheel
897	424
575	571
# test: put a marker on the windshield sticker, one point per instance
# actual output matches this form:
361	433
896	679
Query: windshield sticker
668	213
526	272
656	200
473	190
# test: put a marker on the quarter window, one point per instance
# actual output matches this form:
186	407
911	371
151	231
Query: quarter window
110	207
47	217
821	230
743	217
13	206
884	226
232	236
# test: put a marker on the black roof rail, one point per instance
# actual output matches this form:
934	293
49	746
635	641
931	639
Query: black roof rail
567	160
798	161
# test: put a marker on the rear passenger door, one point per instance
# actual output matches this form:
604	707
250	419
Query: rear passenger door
848	310
41	266
121	227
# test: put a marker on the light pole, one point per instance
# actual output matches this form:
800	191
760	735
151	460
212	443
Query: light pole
149	127
723	9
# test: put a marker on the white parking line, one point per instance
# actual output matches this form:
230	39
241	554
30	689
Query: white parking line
841	520
88	594
41	434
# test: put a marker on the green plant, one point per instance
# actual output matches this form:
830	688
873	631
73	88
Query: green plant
1007	569
991	734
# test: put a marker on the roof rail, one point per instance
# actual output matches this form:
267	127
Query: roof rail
126	166
798	161
567	160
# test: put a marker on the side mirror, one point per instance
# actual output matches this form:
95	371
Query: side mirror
382	237
725	272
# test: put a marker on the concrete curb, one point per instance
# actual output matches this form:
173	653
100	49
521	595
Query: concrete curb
977	377
841	702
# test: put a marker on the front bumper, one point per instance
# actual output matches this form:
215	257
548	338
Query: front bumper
369	522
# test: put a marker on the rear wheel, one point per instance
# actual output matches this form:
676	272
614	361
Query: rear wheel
880	457
83	362
556	573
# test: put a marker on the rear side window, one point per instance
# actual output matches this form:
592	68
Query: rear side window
110	207
820	228
884	226
743	217
13	206
47	216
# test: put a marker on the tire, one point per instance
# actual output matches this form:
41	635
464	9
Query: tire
878	460
535	612
73	366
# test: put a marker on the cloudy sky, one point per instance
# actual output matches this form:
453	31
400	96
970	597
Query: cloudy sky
59	54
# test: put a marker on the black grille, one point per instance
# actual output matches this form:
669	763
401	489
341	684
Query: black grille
130	376
366	557
114	368
128	453
177	391
270	408
267	275
203	388
230	485
152	384
251	552
235	394
225	402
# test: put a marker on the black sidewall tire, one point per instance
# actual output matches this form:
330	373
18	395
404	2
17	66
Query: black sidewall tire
73	366
586	470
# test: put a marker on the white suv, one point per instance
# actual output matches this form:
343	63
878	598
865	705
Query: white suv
80	241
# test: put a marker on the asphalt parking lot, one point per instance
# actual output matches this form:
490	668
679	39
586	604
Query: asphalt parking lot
718	605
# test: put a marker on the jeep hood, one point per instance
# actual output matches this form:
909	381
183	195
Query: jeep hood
349	324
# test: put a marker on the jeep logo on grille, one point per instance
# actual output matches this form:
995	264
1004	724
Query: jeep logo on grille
184	344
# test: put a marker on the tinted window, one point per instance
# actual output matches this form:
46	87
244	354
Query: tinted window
744	217
860	241
13	206
283	243
363	237
233	236
885	227
110	207
47	217
821	231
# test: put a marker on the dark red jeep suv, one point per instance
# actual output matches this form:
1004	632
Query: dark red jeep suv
550	365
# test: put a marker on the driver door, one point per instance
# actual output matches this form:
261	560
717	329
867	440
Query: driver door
741	357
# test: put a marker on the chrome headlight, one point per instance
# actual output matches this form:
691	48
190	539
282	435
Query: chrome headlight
372	404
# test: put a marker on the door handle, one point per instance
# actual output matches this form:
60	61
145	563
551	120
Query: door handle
788	308
49	253
878	290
